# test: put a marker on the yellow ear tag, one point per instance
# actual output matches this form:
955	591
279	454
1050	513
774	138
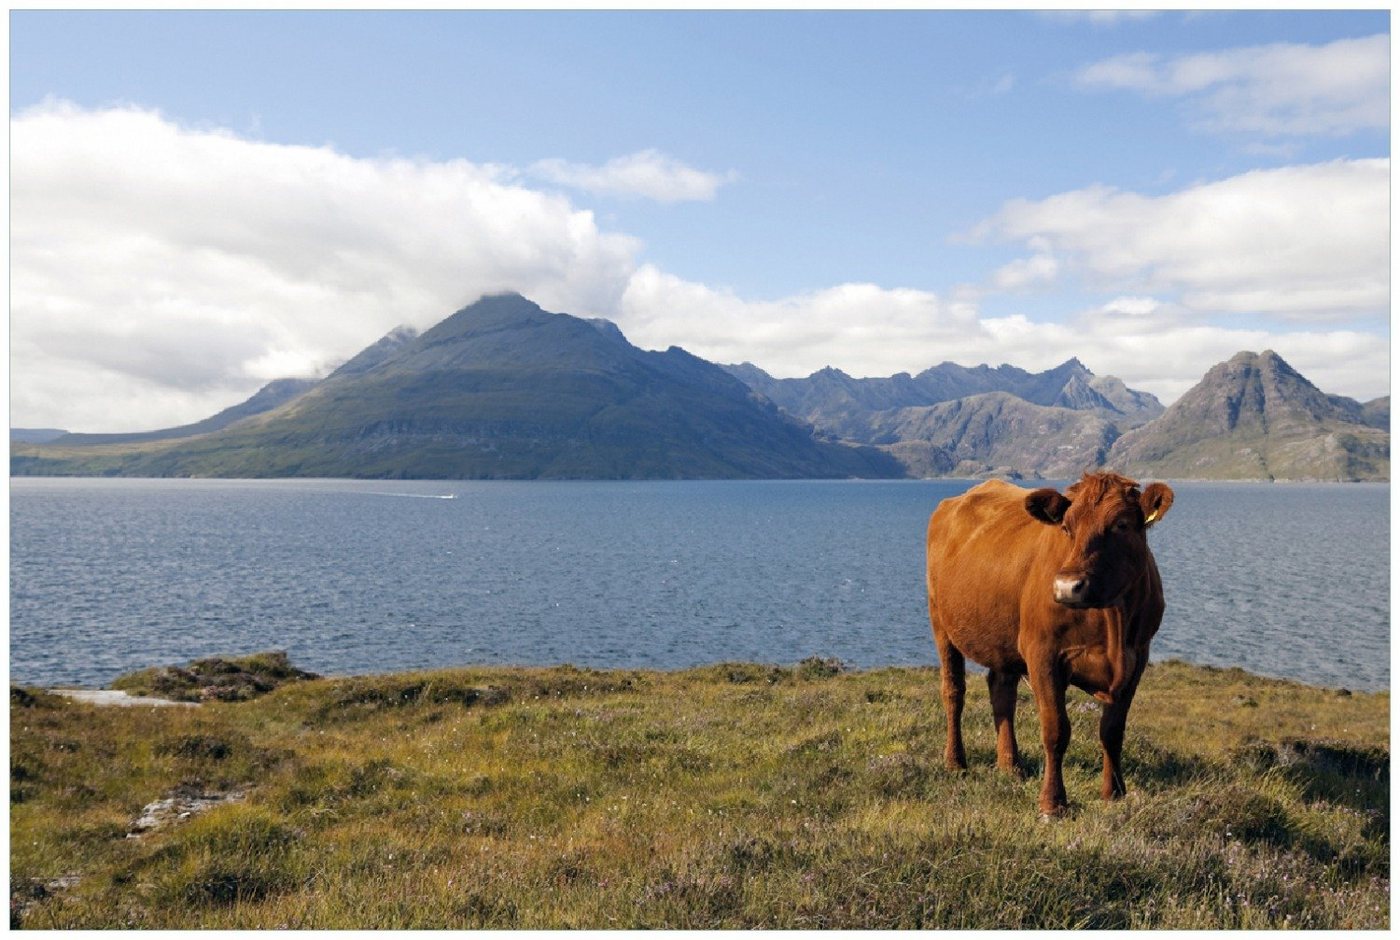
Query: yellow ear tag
1151	517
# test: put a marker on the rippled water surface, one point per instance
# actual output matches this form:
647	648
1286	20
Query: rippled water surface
112	575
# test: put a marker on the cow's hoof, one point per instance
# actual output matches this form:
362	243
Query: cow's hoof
1054	814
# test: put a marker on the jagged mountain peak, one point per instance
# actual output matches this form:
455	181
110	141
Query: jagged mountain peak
1073	365
1078	394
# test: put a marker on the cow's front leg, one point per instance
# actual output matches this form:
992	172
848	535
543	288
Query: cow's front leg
1112	723
1048	684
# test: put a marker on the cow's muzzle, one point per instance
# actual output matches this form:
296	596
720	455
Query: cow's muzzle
1072	590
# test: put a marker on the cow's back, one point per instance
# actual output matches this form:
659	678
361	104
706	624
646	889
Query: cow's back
981	547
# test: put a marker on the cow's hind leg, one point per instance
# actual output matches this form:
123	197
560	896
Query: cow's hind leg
1002	688
954	674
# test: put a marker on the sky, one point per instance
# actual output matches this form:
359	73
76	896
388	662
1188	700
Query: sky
201	202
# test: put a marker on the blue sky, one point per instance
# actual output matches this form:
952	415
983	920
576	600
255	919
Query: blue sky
874	191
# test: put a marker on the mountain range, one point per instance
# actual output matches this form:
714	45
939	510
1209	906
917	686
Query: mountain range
1253	417
504	389
500	389
952	420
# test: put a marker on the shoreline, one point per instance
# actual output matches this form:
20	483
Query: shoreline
108	695
1021	480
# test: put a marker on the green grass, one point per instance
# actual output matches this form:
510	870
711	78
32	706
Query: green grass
729	796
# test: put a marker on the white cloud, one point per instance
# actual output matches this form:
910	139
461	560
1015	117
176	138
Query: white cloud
1279	90
1164	349
1302	242
866	330
1308	244
198	263
1039	269
648	173
860	328
160	274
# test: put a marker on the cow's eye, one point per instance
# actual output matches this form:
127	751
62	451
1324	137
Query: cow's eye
1121	525
1064	528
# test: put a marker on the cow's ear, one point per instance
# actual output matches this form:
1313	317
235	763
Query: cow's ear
1155	500
1047	505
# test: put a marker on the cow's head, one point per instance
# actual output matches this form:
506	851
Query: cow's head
1105	518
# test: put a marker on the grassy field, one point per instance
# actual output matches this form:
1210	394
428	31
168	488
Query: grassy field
735	795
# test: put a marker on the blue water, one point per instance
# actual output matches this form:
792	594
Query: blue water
107	576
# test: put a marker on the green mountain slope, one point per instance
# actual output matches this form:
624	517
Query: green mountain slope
270	396
501	389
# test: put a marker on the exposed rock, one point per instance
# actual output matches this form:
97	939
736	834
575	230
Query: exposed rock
26	894
177	808
116	697
995	434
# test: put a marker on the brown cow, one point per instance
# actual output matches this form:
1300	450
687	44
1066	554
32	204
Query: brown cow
1061	589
